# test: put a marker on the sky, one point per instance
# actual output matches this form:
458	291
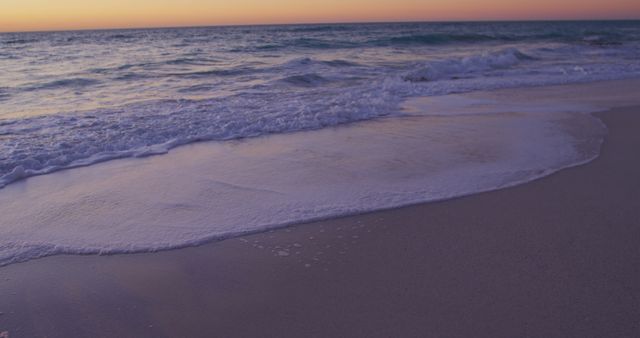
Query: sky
29	15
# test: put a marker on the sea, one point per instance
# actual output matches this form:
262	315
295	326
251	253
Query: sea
73	99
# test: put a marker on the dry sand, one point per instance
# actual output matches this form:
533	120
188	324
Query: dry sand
558	257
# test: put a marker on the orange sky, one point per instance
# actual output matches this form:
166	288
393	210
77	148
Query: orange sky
22	15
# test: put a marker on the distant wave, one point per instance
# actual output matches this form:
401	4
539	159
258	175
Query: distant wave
215	72
206	87
306	80
20	41
192	61
433	39
448	39
299	43
146	65
305	62
121	37
319	28
460	67
296	64
65	83
340	63
4	93
603	39
421	39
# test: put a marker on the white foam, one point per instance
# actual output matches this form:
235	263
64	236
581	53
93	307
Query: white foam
210	191
468	66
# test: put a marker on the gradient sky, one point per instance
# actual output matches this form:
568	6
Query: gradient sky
23	15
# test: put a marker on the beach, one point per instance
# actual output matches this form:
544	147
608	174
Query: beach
555	257
404	179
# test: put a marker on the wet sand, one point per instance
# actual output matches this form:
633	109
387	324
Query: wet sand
558	257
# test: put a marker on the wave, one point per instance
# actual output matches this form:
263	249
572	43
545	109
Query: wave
20	41
64	83
306	80
602	40
216	72
205	87
4	94
594	38
432	39
45	144
192	61
121	37
154	65
462	67
312	43
317	28
306	62
340	63
299	43
133	76
456	38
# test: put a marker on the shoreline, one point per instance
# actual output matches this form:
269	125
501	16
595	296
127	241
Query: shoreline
554	257
179	193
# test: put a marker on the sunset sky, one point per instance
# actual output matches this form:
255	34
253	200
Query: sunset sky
25	15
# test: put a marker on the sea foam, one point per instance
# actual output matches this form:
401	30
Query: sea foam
209	191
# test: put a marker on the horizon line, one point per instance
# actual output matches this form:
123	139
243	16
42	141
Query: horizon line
313	23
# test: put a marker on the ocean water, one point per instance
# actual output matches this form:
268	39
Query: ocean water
74	99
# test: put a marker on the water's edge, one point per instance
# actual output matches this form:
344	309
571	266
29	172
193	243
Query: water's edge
61	250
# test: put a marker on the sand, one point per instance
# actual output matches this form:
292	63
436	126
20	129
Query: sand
558	257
